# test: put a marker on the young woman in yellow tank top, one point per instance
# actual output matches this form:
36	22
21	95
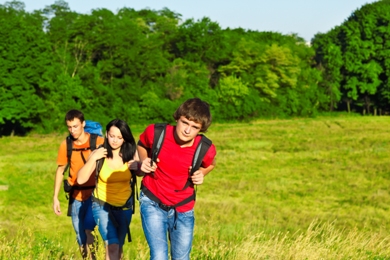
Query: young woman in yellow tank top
112	202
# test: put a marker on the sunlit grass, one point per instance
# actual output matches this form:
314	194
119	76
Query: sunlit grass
282	189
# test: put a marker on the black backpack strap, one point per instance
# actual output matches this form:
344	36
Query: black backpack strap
134	188
159	135
200	153
92	141
69	146
99	165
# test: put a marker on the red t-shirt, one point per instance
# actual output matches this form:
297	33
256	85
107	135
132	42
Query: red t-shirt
173	169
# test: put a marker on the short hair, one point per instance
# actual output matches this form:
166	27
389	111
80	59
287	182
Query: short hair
196	110
128	147
72	114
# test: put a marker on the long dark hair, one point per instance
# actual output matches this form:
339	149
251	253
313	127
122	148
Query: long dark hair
127	150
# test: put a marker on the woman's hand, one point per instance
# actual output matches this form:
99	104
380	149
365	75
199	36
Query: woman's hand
98	154
134	165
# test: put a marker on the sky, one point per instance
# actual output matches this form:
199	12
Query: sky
302	17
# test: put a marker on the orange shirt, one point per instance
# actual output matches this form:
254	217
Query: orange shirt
76	162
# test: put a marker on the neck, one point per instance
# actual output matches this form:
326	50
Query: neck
183	143
82	138
116	151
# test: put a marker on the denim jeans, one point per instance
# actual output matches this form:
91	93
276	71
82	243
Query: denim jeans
110	233
82	219
158	223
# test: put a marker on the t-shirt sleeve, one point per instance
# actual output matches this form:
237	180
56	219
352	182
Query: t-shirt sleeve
61	157
99	141
146	138
209	157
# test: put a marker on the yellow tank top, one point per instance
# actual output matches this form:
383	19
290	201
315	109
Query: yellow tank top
113	186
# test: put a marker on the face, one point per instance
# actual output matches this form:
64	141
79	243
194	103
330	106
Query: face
186	130
114	137
75	128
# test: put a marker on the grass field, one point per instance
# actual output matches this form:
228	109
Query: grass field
282	189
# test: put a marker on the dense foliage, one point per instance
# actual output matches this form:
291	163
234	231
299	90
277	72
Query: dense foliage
354	58
140	65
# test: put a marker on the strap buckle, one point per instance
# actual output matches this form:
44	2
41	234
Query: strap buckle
165	207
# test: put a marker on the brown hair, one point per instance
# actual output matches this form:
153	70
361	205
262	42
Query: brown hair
72	114
196	110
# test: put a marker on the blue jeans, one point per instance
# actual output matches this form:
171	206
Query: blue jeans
157	223
82	219
110	233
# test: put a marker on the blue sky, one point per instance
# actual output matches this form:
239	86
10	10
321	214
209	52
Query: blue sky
304	17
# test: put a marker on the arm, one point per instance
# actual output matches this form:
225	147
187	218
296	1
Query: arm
198	176
135	164
57	186
145	161
90	165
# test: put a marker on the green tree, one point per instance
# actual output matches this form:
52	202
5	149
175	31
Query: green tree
354	56
329	61
24	58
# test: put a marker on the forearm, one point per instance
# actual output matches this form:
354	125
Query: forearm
207	170
142	153
58	180
144	161
85	172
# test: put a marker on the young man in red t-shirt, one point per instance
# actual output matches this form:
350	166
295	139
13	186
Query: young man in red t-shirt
162	193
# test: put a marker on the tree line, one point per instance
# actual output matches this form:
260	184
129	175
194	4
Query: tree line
140	65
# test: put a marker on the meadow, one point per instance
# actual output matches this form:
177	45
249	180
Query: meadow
314	188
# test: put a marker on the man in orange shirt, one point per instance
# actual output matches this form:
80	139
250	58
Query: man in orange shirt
80	196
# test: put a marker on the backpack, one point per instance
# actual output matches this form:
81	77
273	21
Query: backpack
200	152
93	127
95	130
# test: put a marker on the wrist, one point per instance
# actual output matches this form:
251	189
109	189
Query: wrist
139	172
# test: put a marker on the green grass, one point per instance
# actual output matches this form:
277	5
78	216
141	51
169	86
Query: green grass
282	189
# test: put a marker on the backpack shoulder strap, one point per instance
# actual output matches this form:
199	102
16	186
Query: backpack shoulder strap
99	165
200	153
92	141
159	135
69	146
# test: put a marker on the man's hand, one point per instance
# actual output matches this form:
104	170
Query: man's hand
148	165
198	177
56	206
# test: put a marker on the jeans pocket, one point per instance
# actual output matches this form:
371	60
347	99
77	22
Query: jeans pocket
188	214
143	199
